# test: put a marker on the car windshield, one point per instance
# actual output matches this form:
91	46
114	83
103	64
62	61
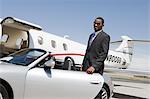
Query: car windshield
24	57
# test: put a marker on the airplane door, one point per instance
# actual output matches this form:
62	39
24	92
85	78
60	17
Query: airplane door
17	32
48	83
19	24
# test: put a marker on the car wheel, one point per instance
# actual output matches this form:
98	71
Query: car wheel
3	92
104	93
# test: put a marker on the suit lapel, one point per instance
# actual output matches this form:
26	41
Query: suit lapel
98	36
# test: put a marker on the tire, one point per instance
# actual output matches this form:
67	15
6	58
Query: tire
3	92
104	93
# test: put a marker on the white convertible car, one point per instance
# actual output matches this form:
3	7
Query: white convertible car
30	74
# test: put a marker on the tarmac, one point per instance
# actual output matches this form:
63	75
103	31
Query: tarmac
131	90
130	84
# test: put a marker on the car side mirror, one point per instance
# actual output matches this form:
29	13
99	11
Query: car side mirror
50	63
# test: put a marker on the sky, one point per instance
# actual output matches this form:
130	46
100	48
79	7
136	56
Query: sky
75	17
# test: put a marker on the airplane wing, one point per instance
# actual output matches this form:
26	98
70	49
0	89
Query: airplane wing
134	41
128	74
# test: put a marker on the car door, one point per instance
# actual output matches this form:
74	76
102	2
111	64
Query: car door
46	83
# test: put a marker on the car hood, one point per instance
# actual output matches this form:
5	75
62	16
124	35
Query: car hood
11	67
13	71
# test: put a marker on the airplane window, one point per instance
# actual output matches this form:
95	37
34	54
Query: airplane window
40	40
53	43
65	46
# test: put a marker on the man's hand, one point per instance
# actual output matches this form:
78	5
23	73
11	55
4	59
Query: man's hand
90	70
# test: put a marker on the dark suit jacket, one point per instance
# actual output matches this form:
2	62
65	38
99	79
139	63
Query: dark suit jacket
96	53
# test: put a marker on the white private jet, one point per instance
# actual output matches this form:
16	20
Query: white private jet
17	34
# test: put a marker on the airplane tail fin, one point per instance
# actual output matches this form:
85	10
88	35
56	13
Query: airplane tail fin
126	47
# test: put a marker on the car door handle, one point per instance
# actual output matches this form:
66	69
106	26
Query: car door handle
95	82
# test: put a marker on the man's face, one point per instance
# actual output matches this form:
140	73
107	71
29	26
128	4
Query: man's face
98	25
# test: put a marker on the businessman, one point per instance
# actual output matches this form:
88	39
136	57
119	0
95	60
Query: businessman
97	49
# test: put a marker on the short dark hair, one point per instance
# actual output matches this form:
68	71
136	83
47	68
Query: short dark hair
101	19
